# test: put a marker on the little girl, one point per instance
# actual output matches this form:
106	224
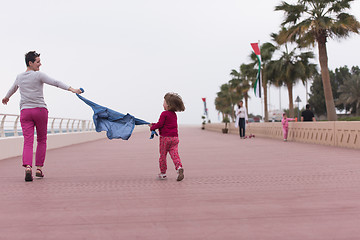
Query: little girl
168	129
285	125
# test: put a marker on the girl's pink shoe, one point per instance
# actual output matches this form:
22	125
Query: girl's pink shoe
162	176
180	174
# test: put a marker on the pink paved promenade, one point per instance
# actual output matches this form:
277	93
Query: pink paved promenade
233	189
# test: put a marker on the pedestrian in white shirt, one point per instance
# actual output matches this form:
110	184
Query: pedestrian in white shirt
241	118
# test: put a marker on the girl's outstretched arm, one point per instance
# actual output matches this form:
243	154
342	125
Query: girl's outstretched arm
160	123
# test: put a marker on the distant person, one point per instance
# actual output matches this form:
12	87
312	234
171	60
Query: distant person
241	118
285	125
308	115
169	139
33	111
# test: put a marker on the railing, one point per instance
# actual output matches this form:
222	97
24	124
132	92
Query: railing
10	125
339	133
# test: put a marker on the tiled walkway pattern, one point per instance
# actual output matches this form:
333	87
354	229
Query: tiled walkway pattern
233	189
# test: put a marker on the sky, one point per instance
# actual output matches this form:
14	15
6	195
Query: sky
128	54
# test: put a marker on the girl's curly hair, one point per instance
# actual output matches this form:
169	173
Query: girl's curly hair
175	102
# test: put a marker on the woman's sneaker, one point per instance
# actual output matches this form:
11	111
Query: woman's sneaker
180	172
162	176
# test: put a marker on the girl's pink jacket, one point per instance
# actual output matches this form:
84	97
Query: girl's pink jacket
285	122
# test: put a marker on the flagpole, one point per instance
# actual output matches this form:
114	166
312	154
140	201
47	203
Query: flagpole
258	82
262	105
280	98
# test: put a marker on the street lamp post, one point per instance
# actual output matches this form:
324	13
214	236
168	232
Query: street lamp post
298	100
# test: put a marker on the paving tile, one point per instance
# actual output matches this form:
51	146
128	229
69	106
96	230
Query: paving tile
233	189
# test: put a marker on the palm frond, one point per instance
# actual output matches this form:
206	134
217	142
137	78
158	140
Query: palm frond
340	6
310	21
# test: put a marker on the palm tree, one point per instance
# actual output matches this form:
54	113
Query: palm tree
248	75
308	22
241	85
226	99
350	92
289	69
267	50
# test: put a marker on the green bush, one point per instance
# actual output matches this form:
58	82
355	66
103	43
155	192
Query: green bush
226	120
349	119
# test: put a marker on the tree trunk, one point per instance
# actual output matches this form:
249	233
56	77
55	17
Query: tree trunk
246	97
266	117
232	114
329	99
291	102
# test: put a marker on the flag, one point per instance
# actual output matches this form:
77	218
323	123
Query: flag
205	109
257	85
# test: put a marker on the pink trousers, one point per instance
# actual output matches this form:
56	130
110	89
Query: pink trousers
285	132
34	118
169	145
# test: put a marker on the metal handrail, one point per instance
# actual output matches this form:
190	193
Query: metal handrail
9	125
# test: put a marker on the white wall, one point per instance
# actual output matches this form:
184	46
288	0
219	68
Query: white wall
338	133
13	146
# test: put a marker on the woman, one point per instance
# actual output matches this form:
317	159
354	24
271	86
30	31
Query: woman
33	111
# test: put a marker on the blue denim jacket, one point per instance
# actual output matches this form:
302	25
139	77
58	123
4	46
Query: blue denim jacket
116	125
